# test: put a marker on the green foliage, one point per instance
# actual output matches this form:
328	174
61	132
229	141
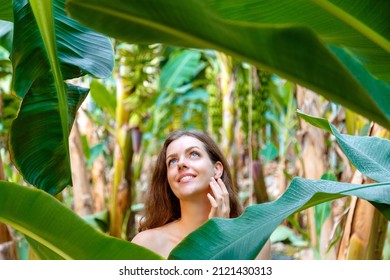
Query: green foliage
283	233
363	150
180	102
386	250
36	139
281	117
269	152
253	85
6	32
91	153
214	104
336	49
49	47
138	69
289	38
243	237
56	232
6	10
103	98
10	111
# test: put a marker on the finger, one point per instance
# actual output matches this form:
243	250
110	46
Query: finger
225	195
223	187
216	189
214	205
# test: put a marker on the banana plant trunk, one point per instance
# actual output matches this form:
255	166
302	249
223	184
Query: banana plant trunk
120	193
313	156
7	244
227	85
82	192
99	166
259	186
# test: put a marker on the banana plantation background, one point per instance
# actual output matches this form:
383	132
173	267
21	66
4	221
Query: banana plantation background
296	94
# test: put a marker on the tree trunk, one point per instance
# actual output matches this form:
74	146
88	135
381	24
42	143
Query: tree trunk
7	244
120	195
364	234
227	85
98	170
313	151
100	191
82	194
259	186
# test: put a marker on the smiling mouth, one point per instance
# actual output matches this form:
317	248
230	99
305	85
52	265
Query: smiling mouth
186	179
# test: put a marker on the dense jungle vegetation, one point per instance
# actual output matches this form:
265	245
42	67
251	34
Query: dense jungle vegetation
296	93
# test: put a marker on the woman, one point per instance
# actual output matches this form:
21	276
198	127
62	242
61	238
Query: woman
190	184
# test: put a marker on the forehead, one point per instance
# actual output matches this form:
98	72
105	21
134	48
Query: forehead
183	143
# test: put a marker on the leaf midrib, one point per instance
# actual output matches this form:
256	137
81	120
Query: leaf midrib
354	23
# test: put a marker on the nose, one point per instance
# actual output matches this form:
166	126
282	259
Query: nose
182	163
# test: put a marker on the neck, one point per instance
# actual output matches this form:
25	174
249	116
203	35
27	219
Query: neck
193	214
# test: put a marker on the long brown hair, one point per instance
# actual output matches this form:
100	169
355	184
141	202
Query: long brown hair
161	205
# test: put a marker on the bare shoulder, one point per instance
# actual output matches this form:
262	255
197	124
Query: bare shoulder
160	240
150	239
265	253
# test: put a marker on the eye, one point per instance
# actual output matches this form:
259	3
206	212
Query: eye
194	154
172	162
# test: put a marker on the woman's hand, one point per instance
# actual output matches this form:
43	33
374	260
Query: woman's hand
219	199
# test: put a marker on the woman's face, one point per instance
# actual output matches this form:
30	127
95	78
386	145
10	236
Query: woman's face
189	167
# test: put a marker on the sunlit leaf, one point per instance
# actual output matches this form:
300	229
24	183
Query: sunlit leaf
179	69
57	232
243	237
290	38
6	32
103	98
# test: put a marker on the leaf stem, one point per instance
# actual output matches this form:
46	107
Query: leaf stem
43	12
354	23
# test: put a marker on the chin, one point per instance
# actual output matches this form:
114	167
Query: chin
190	190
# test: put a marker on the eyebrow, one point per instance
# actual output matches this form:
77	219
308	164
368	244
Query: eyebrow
186	150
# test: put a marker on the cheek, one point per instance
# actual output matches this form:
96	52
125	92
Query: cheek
170	176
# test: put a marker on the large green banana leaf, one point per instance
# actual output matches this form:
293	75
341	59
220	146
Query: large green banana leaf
56	232
48	48
6	10
360	26
36	140
80	51
243	237
294	39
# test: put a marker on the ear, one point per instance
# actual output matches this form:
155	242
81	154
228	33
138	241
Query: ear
218	170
